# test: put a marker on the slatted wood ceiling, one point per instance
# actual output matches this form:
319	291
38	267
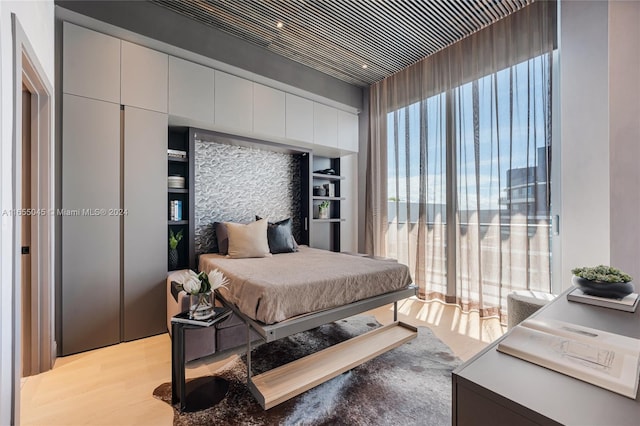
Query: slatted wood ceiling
339	37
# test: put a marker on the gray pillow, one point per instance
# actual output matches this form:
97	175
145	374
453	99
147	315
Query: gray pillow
280	236
222	235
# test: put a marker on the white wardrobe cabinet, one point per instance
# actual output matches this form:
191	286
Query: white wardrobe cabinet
233	103
325	125
191	90
299	118
114	242
144	77
90	236
145	237
268	111
347	131
91	63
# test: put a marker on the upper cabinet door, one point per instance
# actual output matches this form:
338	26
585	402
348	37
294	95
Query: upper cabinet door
325	125
299	118
144	77
90	64
347	131
233	103
191	90
268	111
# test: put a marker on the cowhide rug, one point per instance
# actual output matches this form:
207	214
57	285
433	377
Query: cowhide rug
409	385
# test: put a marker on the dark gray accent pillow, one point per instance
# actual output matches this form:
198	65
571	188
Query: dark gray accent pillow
280	236
222	235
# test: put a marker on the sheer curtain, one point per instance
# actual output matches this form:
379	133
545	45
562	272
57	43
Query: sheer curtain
458	161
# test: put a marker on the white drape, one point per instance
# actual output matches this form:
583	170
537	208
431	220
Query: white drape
458	161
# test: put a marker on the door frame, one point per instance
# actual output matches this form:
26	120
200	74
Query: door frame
27	70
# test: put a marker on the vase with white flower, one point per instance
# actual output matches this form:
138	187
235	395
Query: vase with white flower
200	288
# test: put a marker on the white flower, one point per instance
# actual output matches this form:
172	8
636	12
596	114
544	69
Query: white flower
185	275
191	285
217	279
190	282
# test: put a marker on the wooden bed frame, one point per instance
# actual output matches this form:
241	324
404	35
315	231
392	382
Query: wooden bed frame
276	386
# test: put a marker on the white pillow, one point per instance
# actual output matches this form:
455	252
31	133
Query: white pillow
248	240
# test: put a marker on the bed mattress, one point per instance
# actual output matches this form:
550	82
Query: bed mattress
273	289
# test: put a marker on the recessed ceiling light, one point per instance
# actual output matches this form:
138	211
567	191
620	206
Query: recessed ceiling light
279	24
364	66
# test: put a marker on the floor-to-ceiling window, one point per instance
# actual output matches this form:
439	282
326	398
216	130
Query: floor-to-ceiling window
499	141
417	190
466	141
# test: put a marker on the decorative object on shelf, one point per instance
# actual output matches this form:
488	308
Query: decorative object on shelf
200	288
174	239
603	281
323	210
175	181
325	172
176	153
319	191
331	189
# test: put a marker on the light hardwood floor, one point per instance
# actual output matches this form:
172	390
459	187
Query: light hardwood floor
114	385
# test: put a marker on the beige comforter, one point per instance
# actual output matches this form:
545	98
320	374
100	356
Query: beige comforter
282	286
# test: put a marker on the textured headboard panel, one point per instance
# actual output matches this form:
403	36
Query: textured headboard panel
236	183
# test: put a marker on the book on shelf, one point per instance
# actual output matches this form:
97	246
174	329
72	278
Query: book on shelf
175	153
628	303
220	313
175	209
610	361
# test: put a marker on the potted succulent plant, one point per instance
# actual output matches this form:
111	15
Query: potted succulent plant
323	210
603	281
174	239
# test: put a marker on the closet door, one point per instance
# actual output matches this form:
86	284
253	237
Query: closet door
233	103
90	236
145	223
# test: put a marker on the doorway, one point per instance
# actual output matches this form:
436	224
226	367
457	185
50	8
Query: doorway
32	225
25	255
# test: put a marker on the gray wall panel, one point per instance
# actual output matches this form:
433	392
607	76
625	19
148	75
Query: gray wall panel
235	183
90	238
145	223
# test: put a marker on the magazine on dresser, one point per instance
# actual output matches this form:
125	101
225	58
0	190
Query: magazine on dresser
610	361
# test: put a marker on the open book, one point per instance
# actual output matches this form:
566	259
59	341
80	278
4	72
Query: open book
604	359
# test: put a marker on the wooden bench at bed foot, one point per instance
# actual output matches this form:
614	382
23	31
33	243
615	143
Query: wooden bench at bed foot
283	383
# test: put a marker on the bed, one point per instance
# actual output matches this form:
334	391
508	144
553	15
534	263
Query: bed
284	294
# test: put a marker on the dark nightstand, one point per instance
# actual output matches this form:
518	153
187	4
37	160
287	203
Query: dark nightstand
202	392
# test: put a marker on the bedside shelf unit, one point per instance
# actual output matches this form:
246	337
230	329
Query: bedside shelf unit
180	138
325	188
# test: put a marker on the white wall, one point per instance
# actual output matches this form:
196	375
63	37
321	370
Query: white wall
584	121
600	135
624	135
37	21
